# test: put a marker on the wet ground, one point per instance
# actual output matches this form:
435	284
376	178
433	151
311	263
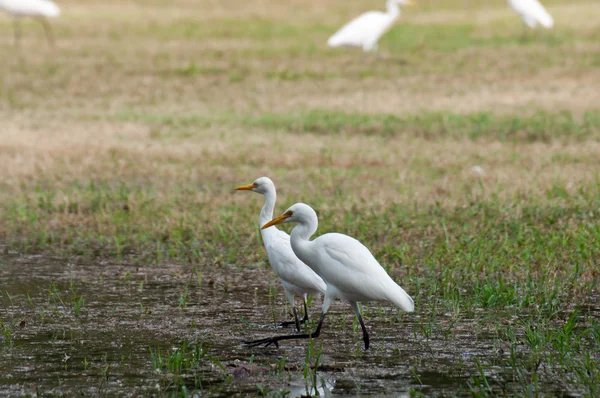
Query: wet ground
101	328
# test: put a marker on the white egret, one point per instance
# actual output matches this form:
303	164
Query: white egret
346	265
38	9
365	30
532	13
296	277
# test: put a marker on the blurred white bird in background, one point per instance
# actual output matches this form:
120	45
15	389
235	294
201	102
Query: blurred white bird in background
532	13
365	30
346	265
296	277
37	9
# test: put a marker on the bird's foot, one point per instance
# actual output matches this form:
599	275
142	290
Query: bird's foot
287	324
267	342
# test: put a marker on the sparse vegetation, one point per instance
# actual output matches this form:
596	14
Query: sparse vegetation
464	155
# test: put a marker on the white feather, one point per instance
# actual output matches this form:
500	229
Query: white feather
30	8
346	265
366	29
363	31
296	277
532	12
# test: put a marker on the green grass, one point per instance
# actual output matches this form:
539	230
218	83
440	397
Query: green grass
117	218
539	127
449	38
525	272
463	155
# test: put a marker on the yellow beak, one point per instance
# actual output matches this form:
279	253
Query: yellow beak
245	187
276	221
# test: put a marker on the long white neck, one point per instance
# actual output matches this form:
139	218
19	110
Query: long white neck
301	234
266	214
392	8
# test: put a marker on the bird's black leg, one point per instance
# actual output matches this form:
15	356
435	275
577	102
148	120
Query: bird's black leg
525	34
294	322
275	340
297	322
17	26
48	30
362	324
365	333
305	319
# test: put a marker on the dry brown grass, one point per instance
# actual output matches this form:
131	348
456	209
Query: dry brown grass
64	112
464	157
379	170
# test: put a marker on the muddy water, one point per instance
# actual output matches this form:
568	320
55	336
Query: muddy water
128	312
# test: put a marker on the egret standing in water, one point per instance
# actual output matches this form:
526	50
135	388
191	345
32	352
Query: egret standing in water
346	265
38	9
296	277
532	13
365	30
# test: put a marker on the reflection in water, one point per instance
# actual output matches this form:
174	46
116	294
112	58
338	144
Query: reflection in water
299	387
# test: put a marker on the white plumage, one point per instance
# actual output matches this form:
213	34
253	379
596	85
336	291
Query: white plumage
346	265
30	8
39	9
296	277
532	13
365	30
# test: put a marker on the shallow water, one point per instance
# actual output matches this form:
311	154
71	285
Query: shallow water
130	312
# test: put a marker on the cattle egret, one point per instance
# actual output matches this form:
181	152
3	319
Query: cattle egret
38	9
346	265
365	30
296	277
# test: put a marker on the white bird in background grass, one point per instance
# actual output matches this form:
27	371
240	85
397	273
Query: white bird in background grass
37	9
296	277
365	30
346	265
532	13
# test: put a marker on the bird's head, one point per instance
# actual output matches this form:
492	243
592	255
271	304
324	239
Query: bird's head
299	212
262	185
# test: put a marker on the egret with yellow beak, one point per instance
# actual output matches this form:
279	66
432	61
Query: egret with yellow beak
346	265
295	276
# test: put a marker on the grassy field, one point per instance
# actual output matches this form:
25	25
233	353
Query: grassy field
464	155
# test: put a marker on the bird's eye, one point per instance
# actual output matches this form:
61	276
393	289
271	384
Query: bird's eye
255	185
289	213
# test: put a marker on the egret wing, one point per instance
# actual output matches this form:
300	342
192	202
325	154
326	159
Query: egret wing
533	10
33	8
350	266
289	267
359	30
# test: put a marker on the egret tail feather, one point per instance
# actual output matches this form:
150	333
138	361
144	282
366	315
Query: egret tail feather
401	299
